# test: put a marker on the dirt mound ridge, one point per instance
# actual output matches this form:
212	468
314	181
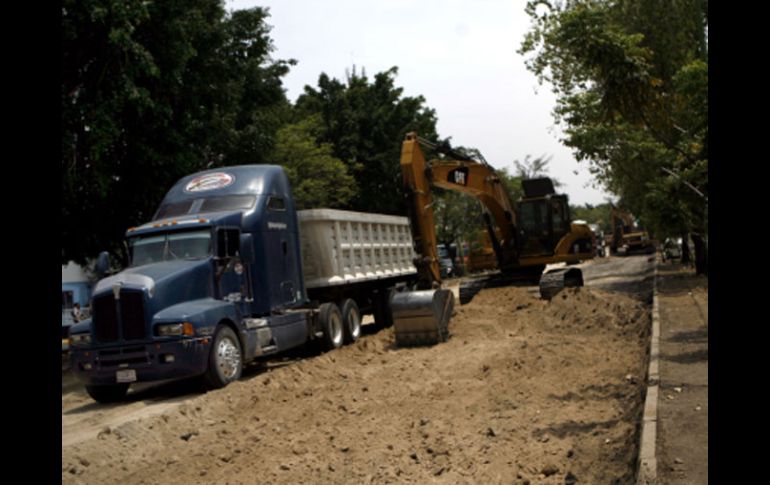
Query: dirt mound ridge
523	390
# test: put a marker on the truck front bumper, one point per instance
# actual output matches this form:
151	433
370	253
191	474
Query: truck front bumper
143	362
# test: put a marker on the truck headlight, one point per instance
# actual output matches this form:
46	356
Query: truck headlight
80	339
174	329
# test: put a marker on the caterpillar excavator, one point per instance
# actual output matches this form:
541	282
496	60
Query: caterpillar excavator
627	237
537	231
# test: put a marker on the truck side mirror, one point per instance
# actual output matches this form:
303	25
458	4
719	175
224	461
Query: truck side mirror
102	264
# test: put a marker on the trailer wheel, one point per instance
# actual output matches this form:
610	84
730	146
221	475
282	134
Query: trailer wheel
330	318
351	321
225	359
107	394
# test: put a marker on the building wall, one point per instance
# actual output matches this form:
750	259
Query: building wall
75	288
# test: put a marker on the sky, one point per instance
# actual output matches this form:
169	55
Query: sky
460	55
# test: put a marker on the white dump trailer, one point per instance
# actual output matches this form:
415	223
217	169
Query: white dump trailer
343	247
356	256
367	258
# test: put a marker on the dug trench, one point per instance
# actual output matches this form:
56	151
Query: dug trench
524	391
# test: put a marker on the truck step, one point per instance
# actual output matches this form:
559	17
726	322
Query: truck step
270	349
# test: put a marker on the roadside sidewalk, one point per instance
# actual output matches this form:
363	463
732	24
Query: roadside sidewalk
682	426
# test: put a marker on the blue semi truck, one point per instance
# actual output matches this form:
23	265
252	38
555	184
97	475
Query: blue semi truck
222	276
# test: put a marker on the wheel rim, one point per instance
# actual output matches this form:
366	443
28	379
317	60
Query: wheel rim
336	329
355	323
228	357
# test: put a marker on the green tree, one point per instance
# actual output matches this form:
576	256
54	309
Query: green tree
457	217
531	168
366	121
152	91
599	214
317	178
631	79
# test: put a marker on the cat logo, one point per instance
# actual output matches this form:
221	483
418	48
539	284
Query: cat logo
458	176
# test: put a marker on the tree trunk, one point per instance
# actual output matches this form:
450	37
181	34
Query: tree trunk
701	255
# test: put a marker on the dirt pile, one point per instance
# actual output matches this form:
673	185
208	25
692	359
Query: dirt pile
524	390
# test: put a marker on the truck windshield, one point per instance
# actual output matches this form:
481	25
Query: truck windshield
165	247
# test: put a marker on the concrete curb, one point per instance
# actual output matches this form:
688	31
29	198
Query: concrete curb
648	464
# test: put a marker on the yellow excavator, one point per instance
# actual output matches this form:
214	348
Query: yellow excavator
627	237
537	231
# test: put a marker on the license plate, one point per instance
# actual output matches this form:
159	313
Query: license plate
126	375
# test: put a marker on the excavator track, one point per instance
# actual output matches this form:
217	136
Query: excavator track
469	288
550	283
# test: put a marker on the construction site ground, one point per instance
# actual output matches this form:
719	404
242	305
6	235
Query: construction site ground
524	391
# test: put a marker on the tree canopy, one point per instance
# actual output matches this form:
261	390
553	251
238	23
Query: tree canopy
631	79
365	122
152	91
317	178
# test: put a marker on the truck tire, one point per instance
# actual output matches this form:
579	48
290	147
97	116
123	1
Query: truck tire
330	318
107	394
225	359
351	321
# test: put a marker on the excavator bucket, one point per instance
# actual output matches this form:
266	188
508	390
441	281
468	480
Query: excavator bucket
422	317
556	280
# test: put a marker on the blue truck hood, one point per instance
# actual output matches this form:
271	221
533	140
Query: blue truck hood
166	283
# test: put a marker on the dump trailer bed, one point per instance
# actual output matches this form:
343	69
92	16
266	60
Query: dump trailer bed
344	247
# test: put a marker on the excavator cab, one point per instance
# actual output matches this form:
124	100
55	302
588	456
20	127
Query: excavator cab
543	221
543	218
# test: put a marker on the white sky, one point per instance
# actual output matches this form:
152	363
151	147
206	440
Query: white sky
458	54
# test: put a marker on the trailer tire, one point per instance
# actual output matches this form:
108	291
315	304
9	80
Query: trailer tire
107	394
351	321
330	318
225	359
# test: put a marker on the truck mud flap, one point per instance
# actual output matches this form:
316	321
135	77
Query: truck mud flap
422	317
552	282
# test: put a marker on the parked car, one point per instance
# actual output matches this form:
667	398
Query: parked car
671	249
445	262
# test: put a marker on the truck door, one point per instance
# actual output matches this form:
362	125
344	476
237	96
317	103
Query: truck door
283	261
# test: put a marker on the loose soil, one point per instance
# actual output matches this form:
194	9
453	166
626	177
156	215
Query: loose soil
525	391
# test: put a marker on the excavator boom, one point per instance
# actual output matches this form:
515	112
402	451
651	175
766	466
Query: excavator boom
422	317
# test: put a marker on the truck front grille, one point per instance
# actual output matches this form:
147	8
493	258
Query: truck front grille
107	325
132	312
105	318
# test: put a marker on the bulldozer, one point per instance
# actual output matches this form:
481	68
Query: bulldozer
525	237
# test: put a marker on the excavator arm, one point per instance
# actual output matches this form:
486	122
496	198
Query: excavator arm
458	173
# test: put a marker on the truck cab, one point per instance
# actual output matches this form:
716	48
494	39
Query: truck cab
213	277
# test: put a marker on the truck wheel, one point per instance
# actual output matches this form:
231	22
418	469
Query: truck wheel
225	360
330	318
107	394
351	321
